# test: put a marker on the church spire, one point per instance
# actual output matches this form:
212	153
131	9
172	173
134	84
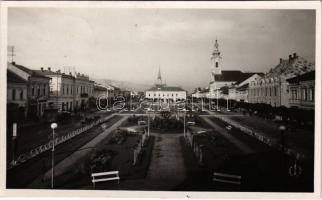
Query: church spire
159	79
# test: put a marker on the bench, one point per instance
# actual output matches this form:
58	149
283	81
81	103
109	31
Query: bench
105	176
227	178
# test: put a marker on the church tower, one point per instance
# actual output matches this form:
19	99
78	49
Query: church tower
216	61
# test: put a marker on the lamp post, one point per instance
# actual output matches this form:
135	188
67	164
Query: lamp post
53	126
14	142
217	99
148	121
227	104
282	129
184	122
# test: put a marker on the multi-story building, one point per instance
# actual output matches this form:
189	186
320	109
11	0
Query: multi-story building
37	89
239	90
68	92
99	91
301	89
162	92
16	94
273	87
61	89
84	90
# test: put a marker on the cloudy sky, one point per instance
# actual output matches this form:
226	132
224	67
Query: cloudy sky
130	44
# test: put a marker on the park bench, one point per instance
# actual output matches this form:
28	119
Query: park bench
227	178
105	176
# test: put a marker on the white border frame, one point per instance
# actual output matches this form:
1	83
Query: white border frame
315	5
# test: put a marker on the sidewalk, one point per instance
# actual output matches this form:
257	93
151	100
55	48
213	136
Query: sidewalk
75	157
167	169
302	141
238	143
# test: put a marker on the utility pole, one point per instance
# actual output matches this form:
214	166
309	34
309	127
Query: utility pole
11	53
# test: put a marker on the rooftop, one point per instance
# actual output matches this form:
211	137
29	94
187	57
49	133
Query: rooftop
234	76
165	88
13	78
31	72
304	77
291	67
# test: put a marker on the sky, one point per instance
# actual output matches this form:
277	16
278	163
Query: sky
131	44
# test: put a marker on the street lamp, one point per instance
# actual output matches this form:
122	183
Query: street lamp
217	99
282	129
184	122
53	126
227	104
148	121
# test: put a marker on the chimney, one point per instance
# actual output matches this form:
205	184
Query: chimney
281	60
294	55
289	57
49	68
42	69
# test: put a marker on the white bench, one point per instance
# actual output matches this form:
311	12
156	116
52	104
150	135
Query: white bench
105	176
227	178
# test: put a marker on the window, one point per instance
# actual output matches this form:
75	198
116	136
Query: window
275	91
270	91
67	89
38	91
32	91
216	64
13	94
63	89
312	94
304	93
44	90
21	95
294	94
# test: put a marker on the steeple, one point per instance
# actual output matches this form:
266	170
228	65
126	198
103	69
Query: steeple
216	51
216	61
159	79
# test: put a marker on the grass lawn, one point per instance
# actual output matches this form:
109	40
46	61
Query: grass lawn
24	174
122	161
265	170
33	136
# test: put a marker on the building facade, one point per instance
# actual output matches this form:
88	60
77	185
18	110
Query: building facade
164	93
99	91
302	91
17	101
239	90
273	88
68	92
37	89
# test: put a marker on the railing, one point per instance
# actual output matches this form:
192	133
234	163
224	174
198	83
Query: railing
22	158
259	136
